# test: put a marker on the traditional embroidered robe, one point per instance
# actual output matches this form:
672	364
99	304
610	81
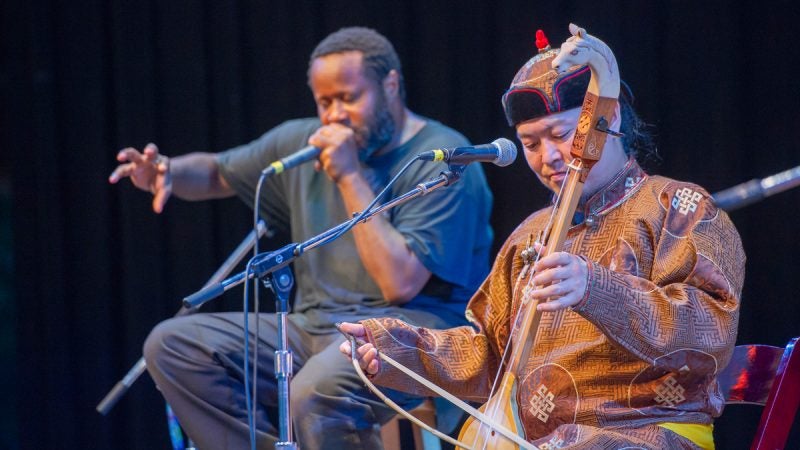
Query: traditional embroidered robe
643	347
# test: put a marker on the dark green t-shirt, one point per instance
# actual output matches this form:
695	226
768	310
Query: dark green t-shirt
448	229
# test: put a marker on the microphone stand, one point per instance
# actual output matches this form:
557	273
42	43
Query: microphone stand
273	267
138	369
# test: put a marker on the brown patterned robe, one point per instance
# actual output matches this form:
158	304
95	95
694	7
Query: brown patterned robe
643	347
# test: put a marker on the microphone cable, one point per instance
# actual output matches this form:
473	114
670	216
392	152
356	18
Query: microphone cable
250	396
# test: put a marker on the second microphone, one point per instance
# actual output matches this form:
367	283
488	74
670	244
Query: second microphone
301	156
501	152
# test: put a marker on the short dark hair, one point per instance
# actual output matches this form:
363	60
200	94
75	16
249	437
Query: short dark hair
379	55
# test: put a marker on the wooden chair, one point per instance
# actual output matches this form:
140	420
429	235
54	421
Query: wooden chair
768	376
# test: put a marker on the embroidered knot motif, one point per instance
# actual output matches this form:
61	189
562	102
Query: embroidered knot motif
542	403
685	200
552	444
670	393
631	182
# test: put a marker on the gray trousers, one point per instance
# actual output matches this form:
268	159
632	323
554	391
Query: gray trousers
196	362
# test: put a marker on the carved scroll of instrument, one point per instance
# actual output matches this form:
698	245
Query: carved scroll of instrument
594	120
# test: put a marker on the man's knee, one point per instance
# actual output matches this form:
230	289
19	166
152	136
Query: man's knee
318	393
161	341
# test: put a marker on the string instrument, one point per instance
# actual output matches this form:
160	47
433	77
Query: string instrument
594	120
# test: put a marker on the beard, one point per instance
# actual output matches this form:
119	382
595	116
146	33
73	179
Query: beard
377	132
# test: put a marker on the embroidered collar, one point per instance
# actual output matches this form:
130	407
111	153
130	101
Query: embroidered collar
625	183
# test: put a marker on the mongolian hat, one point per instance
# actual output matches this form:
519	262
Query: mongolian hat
538	90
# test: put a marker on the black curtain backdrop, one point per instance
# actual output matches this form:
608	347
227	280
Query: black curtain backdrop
95	269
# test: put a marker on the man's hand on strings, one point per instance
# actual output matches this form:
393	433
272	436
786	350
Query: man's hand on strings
367	353
560	281
148	171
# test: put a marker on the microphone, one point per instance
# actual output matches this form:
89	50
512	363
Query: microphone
301	156
501	152
756	190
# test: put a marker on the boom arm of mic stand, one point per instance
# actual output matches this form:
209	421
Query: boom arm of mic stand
271	261
138	369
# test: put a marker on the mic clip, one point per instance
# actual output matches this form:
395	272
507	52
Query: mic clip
459	168
453	172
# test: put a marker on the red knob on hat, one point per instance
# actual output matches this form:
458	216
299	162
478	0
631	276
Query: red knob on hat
541	41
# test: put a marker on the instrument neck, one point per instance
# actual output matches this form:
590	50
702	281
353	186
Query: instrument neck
565	209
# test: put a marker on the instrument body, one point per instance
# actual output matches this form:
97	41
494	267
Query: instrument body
505	413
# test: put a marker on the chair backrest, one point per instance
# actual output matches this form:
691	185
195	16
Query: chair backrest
768	376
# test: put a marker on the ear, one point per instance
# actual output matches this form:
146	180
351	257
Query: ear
391	84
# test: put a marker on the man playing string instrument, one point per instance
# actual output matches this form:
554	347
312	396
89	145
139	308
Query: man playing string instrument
640	306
